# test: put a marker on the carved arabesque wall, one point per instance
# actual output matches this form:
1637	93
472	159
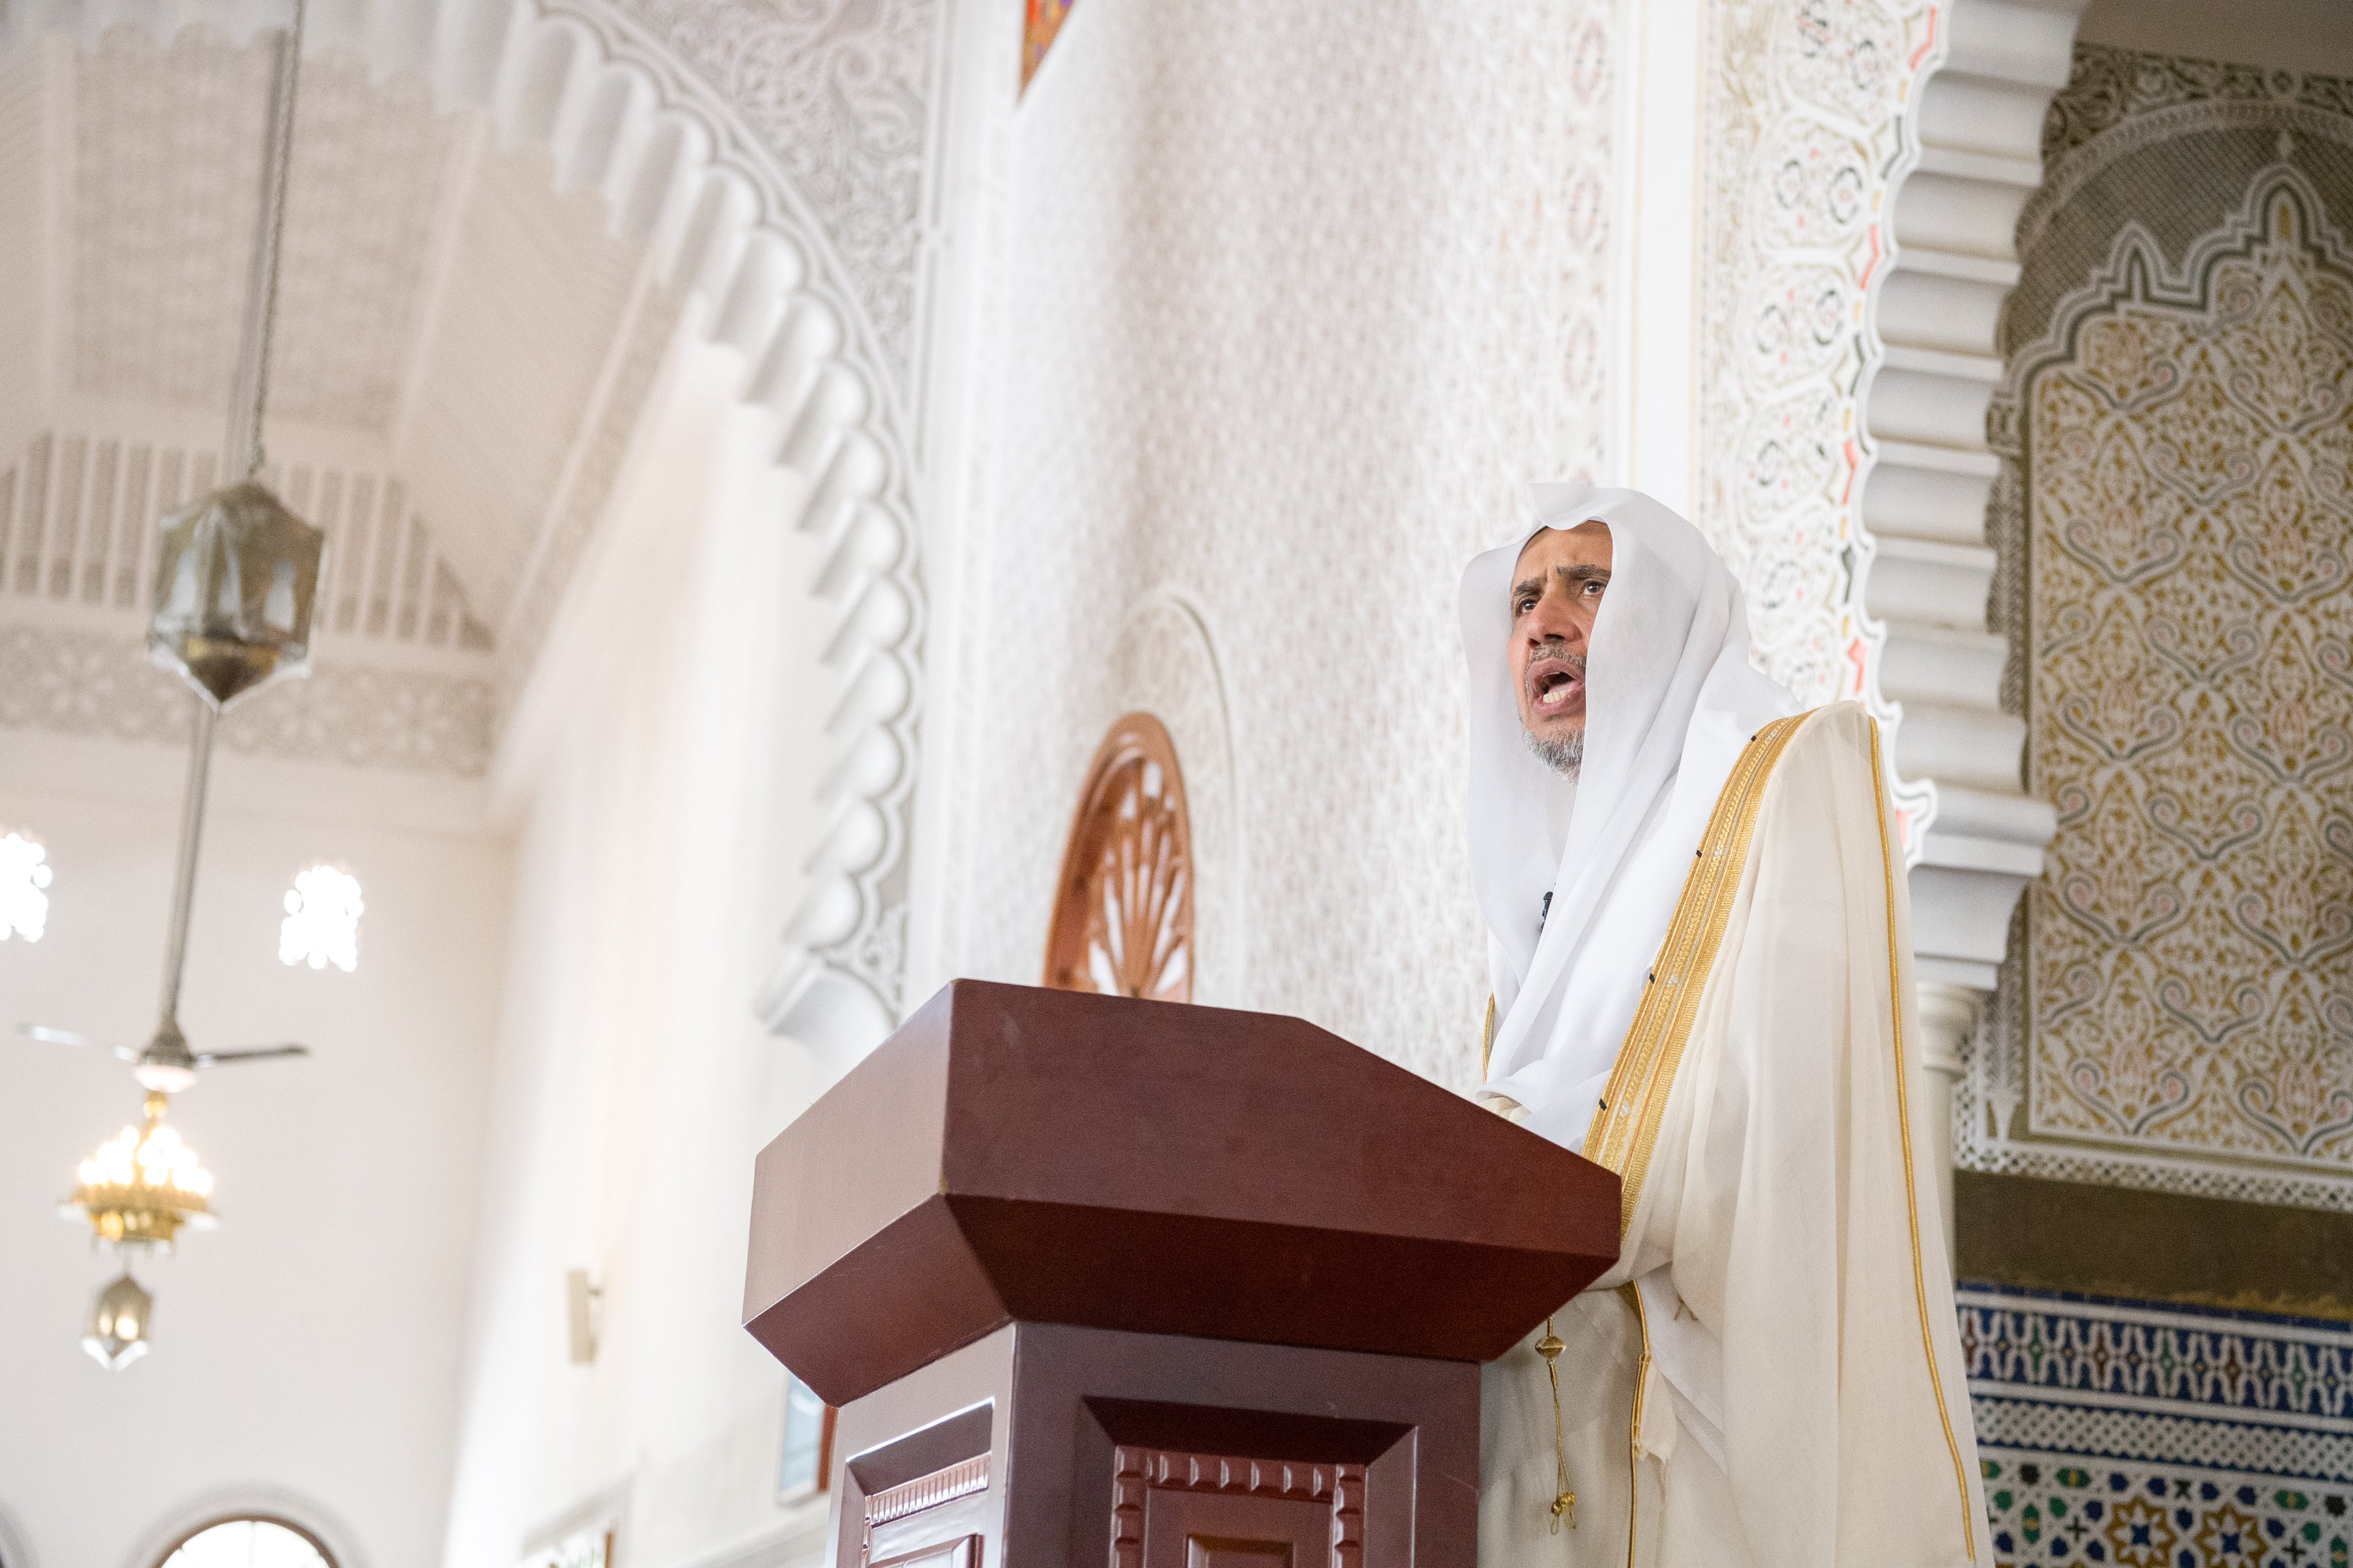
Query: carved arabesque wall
1804	128
2177	1010
1290	309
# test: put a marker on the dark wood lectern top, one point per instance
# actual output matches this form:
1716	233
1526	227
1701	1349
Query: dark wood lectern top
1049	1157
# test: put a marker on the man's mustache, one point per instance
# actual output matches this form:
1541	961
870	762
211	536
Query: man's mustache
1551	655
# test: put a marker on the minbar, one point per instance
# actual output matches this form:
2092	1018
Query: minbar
1099	1283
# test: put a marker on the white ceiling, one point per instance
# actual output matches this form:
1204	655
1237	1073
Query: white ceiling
166	181
509	358
446	319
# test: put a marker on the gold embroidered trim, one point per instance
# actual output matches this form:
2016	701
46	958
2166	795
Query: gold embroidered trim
1487	1037
1626	1126
1903	1117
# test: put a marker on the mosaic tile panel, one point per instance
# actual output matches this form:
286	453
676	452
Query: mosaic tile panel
2156	1437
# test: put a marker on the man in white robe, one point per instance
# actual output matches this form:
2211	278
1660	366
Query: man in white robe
1701	952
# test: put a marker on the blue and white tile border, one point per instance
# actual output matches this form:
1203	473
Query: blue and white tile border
2159	1437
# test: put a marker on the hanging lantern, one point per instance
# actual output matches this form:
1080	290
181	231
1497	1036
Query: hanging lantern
119	1320
233	590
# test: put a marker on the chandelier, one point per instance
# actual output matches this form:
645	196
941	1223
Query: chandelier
137	1191
142	1185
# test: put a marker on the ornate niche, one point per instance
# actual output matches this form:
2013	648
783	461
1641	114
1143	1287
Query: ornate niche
1123	922
2180	1015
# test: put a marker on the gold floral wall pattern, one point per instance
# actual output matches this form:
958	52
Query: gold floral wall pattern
2188	453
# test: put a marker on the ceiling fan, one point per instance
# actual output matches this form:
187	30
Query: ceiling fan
165	1065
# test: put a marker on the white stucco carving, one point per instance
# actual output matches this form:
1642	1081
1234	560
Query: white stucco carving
1976	120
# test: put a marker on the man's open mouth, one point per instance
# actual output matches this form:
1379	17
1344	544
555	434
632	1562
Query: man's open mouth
1554	686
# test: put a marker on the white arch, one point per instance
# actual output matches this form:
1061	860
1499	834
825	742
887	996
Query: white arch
679	171
1973	135
247	1501
1974	126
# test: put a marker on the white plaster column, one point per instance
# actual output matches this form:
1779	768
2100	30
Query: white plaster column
1665	64
1977	120
1949	1017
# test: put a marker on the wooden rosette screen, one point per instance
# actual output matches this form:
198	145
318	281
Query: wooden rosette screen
1123	920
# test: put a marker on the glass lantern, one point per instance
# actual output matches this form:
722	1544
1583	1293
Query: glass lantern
233	590
119	1320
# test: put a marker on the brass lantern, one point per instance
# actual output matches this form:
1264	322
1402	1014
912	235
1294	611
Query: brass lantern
233	590
119	1320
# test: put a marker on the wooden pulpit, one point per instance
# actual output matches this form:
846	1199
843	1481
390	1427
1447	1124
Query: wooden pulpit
1099	1283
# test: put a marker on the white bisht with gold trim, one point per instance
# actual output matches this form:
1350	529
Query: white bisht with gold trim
1771	1374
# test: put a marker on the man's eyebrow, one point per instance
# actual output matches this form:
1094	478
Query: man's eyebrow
1584	573
1531	586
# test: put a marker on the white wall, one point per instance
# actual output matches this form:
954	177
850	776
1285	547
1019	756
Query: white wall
665	759
312	1345
1279	327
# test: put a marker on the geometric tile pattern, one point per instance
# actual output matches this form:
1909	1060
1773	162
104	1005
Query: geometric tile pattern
2159	1437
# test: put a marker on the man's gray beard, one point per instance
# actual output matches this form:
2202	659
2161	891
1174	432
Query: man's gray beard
1564	754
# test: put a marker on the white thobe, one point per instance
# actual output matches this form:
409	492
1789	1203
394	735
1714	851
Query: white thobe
1805	1402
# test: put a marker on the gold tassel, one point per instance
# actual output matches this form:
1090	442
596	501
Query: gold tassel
1564	1502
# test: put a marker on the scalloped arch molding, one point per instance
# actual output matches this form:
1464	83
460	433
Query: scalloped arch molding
1974	158
682	171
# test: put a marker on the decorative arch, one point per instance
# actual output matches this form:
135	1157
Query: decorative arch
1123	920
2171	1018
680	170
275	1525
1867	163
1972	157
301	1513
1165	663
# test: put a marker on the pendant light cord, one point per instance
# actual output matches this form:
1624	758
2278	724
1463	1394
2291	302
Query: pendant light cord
263	318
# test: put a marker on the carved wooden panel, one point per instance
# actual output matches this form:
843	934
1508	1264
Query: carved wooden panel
1123	920
1213	1511
917	1525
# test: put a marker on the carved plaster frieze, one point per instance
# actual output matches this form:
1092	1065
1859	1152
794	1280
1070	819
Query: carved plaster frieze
71	681
836	92
2111	87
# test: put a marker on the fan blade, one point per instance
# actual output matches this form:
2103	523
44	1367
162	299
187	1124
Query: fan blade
62	1037
217	1058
